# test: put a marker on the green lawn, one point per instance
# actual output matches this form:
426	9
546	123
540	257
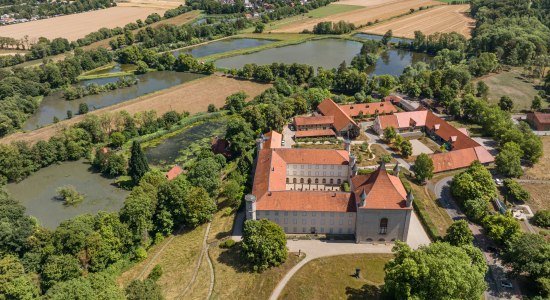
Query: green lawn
332	9
511	83
332	278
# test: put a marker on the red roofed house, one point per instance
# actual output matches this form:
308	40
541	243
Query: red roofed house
463	150
300	189
540	121
174	172
342	121
315	126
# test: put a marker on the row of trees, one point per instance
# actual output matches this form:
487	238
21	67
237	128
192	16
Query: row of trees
79	91
41	9
328	27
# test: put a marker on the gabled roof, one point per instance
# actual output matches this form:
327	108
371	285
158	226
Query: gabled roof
315	133
462	158
353	110
307	201
174	172
313	156
273	139
541	118
316	120
341	119
384	191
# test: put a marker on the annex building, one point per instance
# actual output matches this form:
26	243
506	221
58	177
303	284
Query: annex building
301	190
462	150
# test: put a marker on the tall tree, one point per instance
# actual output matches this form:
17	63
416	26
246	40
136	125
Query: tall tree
459	234
505	103
137	166
264	243
423	167
508	161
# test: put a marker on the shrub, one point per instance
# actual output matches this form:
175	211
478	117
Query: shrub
155	273
227	244
70	195
542	218
140	254
516	191
227	211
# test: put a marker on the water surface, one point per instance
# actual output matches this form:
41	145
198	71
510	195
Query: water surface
223	46
55	105
168	150
38	193
375	37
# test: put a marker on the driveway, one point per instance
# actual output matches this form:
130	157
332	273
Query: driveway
496	273
419	148
288	137
374	139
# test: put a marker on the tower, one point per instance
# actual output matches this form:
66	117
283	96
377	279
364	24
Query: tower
250	201
396	170
410	199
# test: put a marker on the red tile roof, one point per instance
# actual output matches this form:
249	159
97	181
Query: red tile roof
384	191
273	139
307	201
174	172
341	119
541	118
315	133
353	110
393	98
316	120
313	156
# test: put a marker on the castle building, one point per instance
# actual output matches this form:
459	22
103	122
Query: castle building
302	191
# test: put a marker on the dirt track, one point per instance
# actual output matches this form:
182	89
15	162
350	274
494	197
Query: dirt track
194	96
446	18
76	26
358	17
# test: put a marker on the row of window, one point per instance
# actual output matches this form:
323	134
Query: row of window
304	213
303	173
316	181
304	221
294	166
320	230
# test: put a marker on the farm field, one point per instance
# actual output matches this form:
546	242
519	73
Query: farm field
367	3
332	278
163	4
186	97
360	16
444	18
76	26
514	85
540	169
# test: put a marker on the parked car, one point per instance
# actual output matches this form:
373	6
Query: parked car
499	181
506	284
283	142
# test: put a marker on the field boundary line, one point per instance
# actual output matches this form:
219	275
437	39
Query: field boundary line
197	267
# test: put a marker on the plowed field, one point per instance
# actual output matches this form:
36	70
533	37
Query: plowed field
445	18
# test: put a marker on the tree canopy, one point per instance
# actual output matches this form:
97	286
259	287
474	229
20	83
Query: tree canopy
264	243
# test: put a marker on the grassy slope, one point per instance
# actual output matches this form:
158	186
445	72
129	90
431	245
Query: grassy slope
331	278
511	84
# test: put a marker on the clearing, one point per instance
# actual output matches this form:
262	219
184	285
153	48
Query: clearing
332	278
444	18
539	191
194	96
540	169
539	195
361	16
513	84
76	26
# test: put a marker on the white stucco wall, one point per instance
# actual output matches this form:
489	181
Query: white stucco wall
304	222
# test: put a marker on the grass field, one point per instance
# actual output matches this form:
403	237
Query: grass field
177	260
194	96
539	195
444	18
76	26
541	169
332	9
512	84
359	16
332	278
473	129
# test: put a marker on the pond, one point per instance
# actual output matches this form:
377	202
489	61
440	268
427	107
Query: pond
223	46
375	37
55	105
38	192
326	53
168	150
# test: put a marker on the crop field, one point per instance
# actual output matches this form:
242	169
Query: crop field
194	96
367	3
444	18
361	16
76	26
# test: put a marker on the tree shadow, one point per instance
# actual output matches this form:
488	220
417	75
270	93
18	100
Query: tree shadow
366	292
234	258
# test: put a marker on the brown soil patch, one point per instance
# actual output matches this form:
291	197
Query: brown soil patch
362	16
539	195
194	96
541	169
446	18
76	26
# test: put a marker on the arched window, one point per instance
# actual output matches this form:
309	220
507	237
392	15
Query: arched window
339	181
287	180
331	181
324	181
309	180
294	180
383	226
316	180
381	240
369	240
301	180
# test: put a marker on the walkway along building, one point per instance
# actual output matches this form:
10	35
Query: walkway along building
301	190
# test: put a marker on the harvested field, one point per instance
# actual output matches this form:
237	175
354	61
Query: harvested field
445	18
163	4
194	96
367	3
361	16
540	170
76	26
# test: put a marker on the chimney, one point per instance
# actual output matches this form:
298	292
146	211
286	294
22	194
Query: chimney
410	199
250	202
396	170
363	198
437	126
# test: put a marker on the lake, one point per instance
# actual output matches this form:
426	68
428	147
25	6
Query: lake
55	105
375	37
168	150
326	53
223	46
38	192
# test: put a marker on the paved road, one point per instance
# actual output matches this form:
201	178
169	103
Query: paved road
496	270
